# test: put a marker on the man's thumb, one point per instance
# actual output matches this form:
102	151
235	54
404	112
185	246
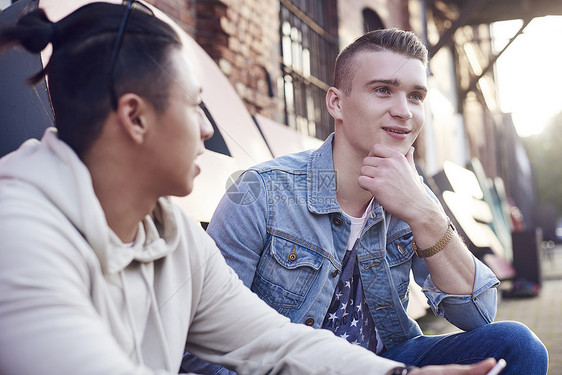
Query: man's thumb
484	366
410	157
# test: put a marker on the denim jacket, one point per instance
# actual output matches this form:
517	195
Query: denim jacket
281	229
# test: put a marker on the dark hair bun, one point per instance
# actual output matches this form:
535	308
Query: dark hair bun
36	31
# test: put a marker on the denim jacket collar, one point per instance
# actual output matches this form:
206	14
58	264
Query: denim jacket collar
321	180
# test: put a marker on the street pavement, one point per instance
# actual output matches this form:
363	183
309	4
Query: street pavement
542	314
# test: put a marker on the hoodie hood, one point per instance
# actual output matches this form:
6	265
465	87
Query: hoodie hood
52	167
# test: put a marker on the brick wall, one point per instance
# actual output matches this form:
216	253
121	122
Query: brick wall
181	11
242	37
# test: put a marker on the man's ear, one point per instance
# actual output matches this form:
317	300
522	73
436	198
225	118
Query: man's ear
333	102
133	114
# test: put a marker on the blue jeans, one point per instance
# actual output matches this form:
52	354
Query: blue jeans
520	347
192	364
523	351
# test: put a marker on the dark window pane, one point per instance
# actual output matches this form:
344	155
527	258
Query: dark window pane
308	52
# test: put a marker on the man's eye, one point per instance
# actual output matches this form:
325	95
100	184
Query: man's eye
417	96
382	90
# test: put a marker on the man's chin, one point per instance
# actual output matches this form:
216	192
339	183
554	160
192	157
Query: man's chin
188	190
185	191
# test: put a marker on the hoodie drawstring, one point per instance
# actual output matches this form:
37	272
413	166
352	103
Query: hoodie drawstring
157	317
136	340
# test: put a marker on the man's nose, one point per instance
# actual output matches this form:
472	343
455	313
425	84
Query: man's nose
205	125
401	108
207	130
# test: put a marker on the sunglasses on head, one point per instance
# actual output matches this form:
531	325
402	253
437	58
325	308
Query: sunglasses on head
130	5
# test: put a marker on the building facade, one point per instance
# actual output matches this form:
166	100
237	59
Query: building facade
278	55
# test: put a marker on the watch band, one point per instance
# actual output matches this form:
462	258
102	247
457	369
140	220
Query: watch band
440	245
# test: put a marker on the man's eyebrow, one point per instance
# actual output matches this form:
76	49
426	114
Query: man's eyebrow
393	82
420	88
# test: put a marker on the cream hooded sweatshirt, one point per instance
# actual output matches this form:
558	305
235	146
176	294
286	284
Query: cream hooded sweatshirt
75	300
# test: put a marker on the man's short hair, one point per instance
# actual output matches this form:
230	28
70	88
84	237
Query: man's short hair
394	40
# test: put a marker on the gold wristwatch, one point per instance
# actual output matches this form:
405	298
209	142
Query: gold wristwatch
440	245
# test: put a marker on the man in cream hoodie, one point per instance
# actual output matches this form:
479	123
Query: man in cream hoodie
99	272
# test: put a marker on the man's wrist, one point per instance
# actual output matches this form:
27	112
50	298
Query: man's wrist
437	247
402	370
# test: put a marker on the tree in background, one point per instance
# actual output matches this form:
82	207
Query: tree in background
545	154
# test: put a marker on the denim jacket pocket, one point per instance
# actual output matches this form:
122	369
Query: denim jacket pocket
399	253
285	274
399	248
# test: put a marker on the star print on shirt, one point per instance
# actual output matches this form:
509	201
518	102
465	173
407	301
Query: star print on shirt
345	317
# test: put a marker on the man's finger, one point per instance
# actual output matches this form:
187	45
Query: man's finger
485	365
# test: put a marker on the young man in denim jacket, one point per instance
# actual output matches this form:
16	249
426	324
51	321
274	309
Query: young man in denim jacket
329	237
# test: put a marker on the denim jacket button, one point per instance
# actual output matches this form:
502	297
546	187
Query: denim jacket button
337	221
293	255
309	321
335	273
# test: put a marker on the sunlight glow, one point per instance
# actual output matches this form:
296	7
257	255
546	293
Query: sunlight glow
528	73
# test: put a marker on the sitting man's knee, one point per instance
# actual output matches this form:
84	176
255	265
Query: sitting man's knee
520	335
520	345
